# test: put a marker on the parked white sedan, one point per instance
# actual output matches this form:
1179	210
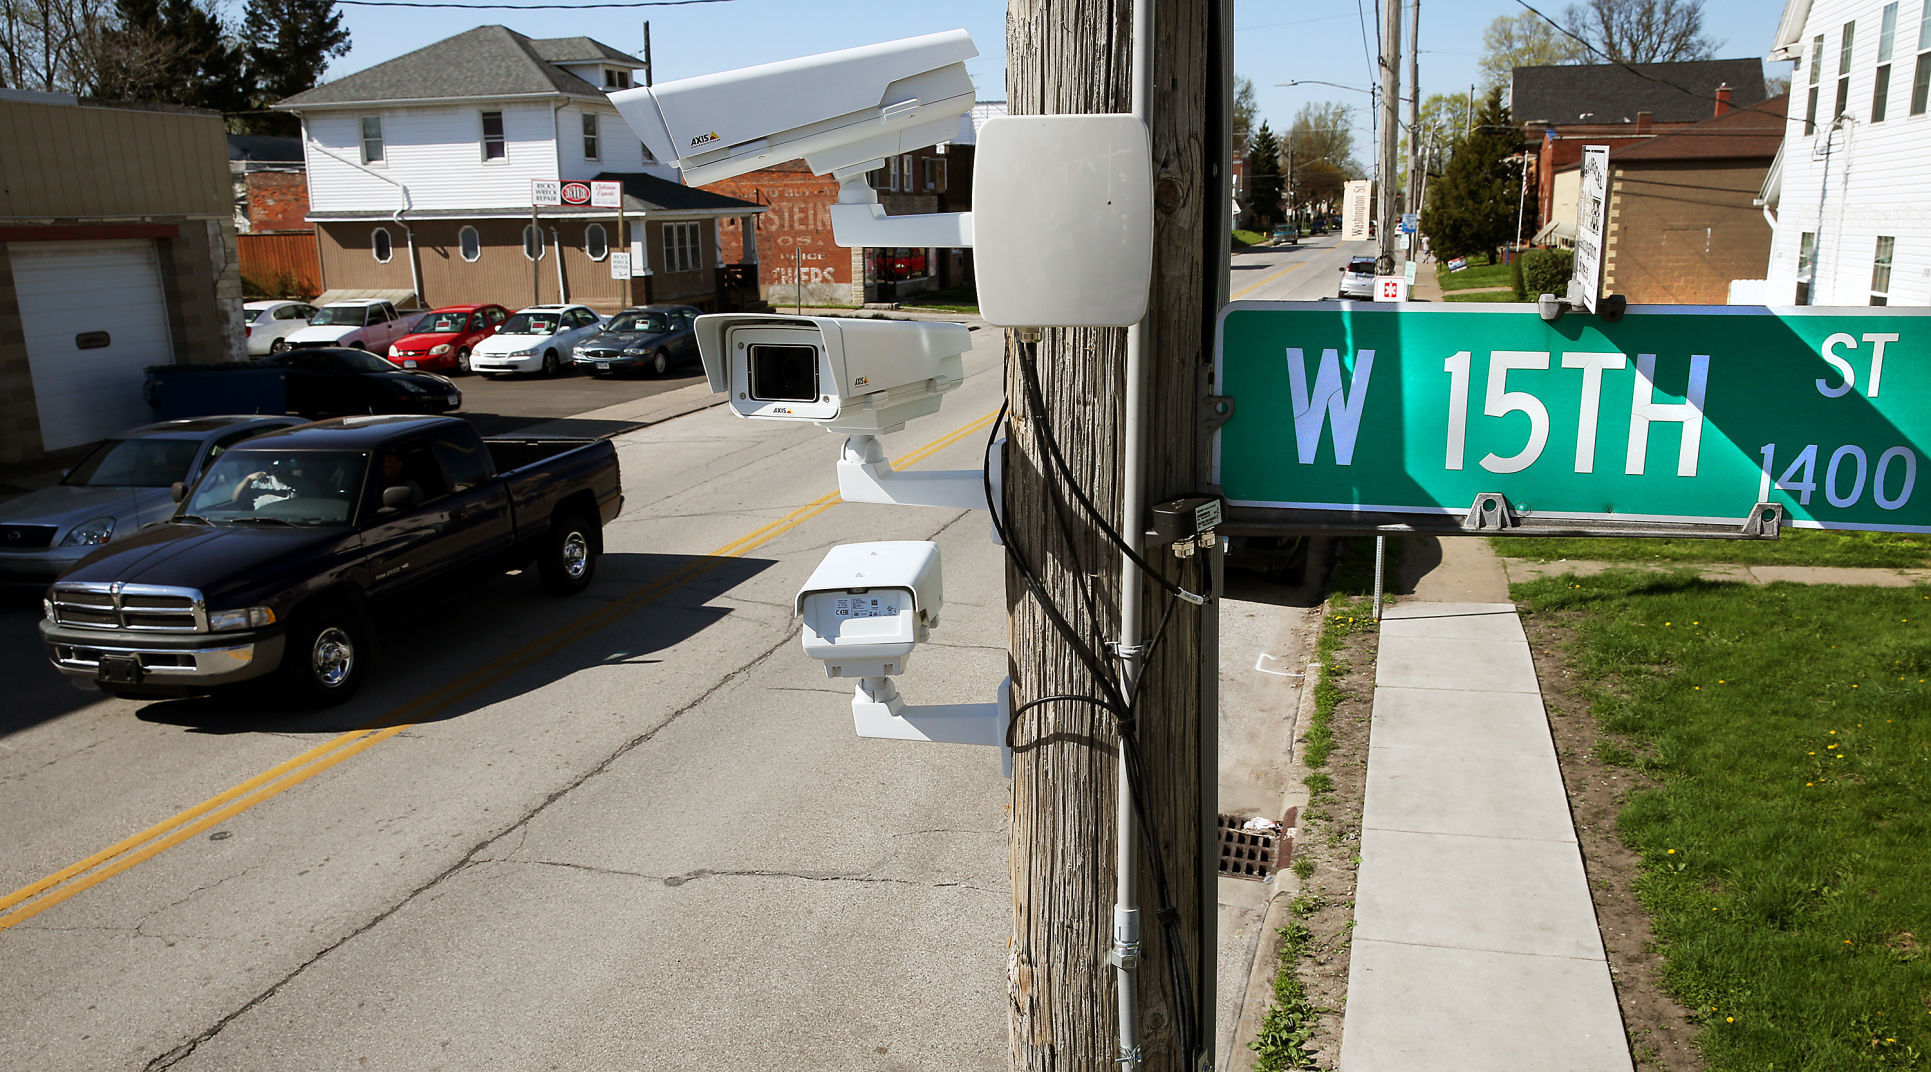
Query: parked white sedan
538	339
270	323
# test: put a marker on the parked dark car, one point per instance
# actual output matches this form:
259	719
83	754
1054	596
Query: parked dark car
281	556
315	382
655	338
121	485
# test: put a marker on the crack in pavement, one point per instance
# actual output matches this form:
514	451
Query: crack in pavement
475	855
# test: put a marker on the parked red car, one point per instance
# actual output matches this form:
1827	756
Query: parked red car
442	339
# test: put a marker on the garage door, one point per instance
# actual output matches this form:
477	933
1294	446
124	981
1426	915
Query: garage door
95	318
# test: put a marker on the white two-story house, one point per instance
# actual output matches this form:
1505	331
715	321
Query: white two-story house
1851	190
420	172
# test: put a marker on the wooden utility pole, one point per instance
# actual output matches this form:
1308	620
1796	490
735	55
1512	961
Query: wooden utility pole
1414	110
1390	105
1065	1013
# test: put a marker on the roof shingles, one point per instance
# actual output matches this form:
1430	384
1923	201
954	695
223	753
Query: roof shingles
488	61
1613	93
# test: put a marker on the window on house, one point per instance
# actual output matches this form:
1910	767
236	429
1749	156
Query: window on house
371	139
1921	77
680	247
1881	90
1816	72
615	79
907	181
383	246
935	173
1844	70
494	147
532	242
596	242
589	135
1881	270
470	243
1806	265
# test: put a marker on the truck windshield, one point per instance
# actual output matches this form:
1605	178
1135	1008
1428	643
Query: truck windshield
341	316
294	487
134	463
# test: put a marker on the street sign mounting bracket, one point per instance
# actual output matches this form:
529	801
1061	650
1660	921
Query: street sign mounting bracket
1491	510
1216	410
1766	520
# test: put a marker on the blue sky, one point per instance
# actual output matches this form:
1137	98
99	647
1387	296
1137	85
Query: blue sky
1274	40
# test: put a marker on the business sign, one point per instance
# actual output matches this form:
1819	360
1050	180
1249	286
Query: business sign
1592	215
576	193
546	193
1356	209
619	265
1674	418
606	193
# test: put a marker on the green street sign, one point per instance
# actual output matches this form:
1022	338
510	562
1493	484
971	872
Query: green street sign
1674	418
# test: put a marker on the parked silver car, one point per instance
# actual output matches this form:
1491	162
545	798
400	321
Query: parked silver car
121	485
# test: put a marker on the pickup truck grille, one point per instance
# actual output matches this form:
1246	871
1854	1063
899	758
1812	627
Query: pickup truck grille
24	537
144	608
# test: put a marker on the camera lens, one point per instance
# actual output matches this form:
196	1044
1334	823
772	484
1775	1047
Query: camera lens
781	373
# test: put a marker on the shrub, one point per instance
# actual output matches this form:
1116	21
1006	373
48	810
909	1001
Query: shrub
1515	278
1546	271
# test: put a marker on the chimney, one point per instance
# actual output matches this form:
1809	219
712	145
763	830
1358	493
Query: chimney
1642	122
1723	99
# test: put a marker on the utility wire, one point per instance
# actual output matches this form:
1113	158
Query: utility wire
529	7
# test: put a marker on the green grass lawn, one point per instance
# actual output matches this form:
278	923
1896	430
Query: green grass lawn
1248	238
1795	547
1475	275
949	300
1480	296
1786	731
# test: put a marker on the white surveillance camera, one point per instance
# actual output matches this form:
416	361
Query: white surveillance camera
860	377
867	605
837	110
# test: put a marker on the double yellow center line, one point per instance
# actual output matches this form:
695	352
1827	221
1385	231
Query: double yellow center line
36	897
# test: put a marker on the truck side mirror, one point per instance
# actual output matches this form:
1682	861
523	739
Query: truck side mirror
177	491
397	497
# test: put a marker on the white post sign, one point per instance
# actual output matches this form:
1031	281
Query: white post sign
546	193
1355	202
1390	288
606	194
1592	212
619	265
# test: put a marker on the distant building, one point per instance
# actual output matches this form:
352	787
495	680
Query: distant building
1563	107
1854	171
117	251
420	173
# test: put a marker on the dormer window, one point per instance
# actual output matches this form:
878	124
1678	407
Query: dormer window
615	79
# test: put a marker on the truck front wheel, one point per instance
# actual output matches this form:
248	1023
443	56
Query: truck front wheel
569	554
327	656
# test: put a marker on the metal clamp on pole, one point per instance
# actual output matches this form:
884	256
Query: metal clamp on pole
1491	511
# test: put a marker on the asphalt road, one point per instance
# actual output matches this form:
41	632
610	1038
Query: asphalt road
629	829
503	404
1306	271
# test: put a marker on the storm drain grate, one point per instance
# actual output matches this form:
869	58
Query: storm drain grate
1254	854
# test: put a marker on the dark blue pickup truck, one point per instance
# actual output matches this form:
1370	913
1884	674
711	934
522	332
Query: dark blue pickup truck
278	557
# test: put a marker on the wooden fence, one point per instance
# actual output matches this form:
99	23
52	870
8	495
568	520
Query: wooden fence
280	264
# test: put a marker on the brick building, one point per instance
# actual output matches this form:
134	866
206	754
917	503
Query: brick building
1561	108
1683	214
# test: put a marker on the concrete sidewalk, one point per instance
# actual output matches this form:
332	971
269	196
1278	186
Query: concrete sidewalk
1475	941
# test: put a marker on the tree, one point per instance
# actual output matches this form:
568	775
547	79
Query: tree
173	52
52	45
1642	31
1318	154
1244	109
1525	40
1067	751
1473	207
289	46
1264	178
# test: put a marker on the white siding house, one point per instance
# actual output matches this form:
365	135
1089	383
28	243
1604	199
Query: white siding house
420	172
1851	191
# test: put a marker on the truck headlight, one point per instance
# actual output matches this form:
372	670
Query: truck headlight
246	618
90	533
